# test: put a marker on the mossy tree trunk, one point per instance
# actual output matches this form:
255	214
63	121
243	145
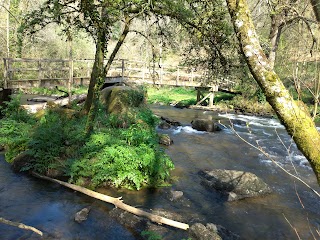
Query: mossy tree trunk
293	115
97	72
97	77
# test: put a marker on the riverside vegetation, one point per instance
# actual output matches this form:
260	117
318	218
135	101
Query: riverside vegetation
56	142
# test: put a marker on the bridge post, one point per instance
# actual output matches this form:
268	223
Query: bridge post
39	73
122	69
178	76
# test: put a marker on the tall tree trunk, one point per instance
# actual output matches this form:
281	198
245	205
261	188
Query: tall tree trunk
274	37
118	45
96	80
97	72
293	115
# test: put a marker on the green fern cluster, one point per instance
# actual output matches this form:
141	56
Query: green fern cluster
127	157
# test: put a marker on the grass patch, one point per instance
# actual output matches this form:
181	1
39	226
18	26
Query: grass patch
171	95
54	91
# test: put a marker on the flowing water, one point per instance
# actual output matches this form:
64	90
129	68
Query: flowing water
51	208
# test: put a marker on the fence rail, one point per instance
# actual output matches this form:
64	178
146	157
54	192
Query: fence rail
27	72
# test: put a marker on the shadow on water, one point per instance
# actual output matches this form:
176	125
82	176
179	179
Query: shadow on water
51	208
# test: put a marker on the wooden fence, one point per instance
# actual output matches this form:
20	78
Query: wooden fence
27	73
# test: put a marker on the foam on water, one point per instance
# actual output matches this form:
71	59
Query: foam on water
253	120
187	129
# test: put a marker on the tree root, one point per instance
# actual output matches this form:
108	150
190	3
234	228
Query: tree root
117	202
20	225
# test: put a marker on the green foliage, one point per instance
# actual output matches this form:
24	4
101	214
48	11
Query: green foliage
168	95
150	235
54	91
13	110
53	138
123	157
260	96
14	136
15	128
146	115
220	96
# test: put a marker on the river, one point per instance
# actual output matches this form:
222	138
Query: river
51	208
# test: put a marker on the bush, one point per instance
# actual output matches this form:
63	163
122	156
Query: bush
122	157
15	128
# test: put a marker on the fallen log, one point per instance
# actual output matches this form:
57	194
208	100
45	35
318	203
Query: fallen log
117	202
20	225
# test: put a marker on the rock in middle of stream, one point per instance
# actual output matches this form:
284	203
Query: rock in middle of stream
234	184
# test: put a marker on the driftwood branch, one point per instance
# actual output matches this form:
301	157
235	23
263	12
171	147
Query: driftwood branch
117	202
20	225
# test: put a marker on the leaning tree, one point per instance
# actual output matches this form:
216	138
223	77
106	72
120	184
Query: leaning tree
293	114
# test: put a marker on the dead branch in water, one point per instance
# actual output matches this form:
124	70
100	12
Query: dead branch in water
20	225
117	202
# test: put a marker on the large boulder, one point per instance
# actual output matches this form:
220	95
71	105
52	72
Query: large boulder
211	231
20	161
234	184
207	125
119	99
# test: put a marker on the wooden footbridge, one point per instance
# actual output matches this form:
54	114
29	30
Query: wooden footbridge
29	73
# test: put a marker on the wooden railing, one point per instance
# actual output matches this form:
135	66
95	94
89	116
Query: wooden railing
26	73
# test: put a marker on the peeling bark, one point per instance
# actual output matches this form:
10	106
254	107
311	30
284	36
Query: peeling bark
293	115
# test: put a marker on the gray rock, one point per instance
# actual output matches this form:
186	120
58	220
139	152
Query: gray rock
171	121
21	161
164	125
175	195
165	139
82	215
235	184
139	224
119	99
199	232
207	125
211	232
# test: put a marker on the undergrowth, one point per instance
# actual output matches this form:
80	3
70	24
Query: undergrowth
122	157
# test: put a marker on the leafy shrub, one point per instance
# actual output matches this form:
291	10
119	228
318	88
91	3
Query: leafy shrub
123	157
13	110
15	128
14	136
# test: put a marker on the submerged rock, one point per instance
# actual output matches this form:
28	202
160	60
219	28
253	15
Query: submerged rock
235	184
164	125
207	125
211	232
82	215
141	224
175	195
171	122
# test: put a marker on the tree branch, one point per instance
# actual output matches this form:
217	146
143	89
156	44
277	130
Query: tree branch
20	225
117	202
